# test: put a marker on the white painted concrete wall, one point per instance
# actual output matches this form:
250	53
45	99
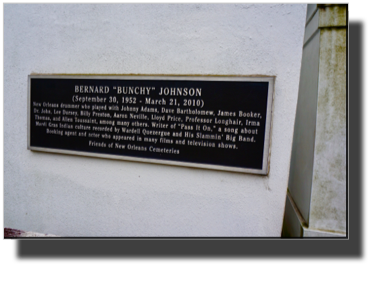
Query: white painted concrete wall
79	196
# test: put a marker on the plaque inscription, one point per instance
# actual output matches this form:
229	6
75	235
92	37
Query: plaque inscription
210	122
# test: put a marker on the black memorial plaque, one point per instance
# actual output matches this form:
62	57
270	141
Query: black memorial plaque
218	123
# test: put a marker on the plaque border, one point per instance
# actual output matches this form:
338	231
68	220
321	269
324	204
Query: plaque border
235	78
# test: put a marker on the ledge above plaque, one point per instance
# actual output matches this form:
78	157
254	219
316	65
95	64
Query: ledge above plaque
213	122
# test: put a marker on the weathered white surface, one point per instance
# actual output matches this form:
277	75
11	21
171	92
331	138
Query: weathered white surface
328	200
317	180
36	234
79	196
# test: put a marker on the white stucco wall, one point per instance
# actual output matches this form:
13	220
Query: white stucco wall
81	196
